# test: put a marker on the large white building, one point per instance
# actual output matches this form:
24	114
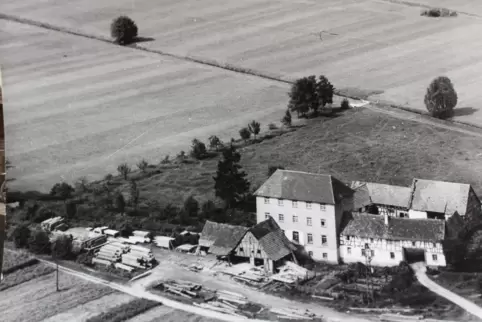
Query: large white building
391	240
308	207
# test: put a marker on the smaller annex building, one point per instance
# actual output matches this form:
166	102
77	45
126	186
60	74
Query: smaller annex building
391	240
263	244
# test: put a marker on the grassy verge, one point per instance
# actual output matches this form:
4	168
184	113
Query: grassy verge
125	311
26	274
13	261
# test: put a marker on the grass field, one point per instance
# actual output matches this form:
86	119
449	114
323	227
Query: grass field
85	113
378	45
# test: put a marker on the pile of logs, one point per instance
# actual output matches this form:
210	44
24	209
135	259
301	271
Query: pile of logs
183	288
293	314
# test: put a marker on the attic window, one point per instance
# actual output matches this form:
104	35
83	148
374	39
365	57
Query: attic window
241	249
322	207
294	204
308	205
266	200
280	202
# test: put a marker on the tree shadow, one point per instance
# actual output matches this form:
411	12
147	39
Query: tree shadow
464	111
138	40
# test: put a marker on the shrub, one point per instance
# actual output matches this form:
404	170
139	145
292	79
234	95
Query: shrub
62	190
166	160
245	134
438	12
39	242
21	235
272	126
198	149
286	120
215	143
81	184
61	247
345	104
142	165
191	206
254	127
441	98
108	177
124	30
124	170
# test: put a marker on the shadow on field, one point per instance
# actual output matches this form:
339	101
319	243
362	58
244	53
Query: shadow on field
464	111
141	40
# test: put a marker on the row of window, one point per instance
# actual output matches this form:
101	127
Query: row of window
294	204
392	254
324	240
325	255
309	221
397	242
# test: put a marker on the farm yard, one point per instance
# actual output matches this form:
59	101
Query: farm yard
384	47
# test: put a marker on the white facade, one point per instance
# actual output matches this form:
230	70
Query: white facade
316	225
386	252
415	214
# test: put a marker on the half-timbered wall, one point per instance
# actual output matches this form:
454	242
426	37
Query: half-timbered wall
249	247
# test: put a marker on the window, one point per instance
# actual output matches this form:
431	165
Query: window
266	215
259	251
392	255
413	244
310	238
390	242
283	231
403	215
266	200
325	255
280	202
434	245
295	218
322	207
241	249
308	205
373	253
294	204
281	218
348	250
371	240
347	237
310	253
434	257
308	221
323	222
363	252
323	240
296	236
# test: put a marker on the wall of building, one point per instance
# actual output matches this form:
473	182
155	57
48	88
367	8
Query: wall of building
249	247
414	214
392	211
382	249
316	213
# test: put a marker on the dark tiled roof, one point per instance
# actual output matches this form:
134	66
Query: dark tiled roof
362	197
383	194
221	238
373	226
272	239
439	196
304	186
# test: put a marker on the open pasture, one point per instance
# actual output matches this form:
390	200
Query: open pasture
75	106
384	46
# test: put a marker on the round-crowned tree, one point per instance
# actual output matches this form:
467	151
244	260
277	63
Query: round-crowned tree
441	98
124	30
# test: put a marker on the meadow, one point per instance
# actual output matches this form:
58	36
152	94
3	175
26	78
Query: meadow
385	47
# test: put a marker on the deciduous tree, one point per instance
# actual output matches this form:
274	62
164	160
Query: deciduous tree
254	127
324	92
61	247
286	120
62	190
21	235
39	242
142	165
191	206
124	170
245	134
303	96
441	98
124	30
198	149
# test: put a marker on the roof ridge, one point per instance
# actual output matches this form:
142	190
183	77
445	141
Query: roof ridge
305	172
332	190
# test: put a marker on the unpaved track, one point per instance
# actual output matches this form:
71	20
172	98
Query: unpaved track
467	305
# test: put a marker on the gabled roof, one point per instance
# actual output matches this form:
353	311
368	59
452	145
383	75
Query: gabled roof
373	226
221	238
304	186
220	235
439	196
382	194
272	239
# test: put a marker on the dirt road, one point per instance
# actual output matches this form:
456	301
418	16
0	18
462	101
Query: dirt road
422	277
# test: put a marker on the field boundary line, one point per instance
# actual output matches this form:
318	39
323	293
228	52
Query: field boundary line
235	69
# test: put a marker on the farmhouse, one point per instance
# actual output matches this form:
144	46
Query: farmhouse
308	207
440	199
390	240
376	198
265	244
220	239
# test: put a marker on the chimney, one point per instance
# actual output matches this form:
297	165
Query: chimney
385	217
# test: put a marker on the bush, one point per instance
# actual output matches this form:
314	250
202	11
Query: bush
441	98
142	165
438	12
124	30
272	126
62	190
286	120
198	150
215	143
254	127
124	170
21	235
39	242
345	104
61	247
245	134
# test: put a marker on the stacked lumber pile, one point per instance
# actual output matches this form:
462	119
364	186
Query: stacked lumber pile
388	317
109	253
293	314
291	273
228	303
182	288
125	248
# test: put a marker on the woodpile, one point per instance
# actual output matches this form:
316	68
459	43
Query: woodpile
293	314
